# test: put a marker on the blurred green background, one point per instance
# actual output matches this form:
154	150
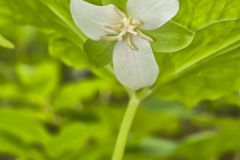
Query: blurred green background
56	105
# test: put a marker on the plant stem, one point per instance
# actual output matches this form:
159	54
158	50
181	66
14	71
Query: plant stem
125	127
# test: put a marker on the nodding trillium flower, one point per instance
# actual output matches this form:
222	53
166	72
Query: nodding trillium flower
133	59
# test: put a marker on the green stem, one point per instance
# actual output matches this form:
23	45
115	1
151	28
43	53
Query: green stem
125	127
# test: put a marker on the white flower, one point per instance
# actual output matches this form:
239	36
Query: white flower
133	59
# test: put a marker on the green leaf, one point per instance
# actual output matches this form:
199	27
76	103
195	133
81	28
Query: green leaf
100	52
61	11
121	4
212	80
157	147
195	14
6	43
171	37
208	41
80	91
23	124
19	130
13	146
233	98
55	16
96	2
40	79
208	69
68	52
74	137
207	143
76	57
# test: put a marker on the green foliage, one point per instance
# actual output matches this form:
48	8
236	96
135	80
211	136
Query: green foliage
100	52
5	43
120	3
171	37
209	62
56	104
69	53
196	14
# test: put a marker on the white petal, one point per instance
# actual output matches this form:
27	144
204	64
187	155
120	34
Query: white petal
153	13
135	68
91	19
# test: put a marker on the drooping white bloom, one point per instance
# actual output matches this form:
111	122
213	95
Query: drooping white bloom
133	59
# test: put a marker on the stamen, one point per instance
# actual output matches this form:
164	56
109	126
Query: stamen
130	42
111	38
121	34
133	32
120	13
116	27
144	36
126	29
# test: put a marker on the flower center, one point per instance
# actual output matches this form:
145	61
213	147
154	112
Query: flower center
127	28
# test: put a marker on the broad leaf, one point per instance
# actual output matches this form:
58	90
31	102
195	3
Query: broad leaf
66	51
5	43
197	13
100	52
207	69
24	124
171	37
121	4
53	15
